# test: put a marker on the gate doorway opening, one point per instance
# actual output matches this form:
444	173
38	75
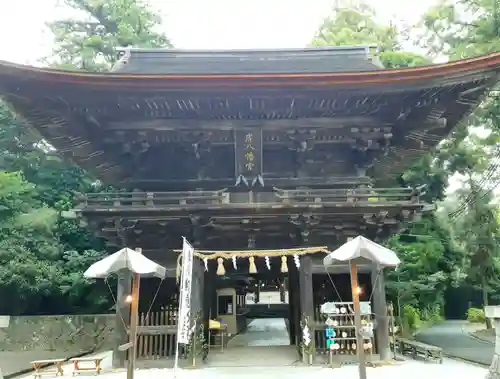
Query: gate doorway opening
267	322
264	339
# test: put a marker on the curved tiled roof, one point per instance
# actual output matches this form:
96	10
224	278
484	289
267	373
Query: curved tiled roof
82	113
291	61
436	72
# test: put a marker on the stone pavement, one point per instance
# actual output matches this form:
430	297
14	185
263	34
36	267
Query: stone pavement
265	341
408	370
262	332
265	356
456	341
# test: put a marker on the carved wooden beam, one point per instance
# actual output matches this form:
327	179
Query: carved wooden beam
175	125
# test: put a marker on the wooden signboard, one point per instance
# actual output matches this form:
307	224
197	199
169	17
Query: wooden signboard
248	150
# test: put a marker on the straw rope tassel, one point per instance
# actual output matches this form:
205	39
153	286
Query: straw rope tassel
220	267
284	265
252	269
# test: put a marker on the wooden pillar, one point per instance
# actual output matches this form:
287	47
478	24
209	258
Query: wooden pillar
213	299
291	321
294	304
357	320
208	289
257	293
380	310
134	318
122	318
306	293
281	284
197	289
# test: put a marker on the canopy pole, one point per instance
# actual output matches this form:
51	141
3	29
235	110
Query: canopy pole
357	320
134	309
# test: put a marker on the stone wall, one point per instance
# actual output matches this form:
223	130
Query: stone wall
64	334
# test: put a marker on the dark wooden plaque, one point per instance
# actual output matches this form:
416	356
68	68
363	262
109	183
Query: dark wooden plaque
248	152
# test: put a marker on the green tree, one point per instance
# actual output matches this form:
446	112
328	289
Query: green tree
478	231
430	261
354	23
90	43
462	29
457	30
26	244
42	256
35	184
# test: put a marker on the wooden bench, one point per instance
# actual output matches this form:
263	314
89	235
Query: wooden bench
418	349
95	367
38	365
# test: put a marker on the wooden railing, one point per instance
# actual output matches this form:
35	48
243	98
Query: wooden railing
141	199
157	337
157	334
210	199
349	195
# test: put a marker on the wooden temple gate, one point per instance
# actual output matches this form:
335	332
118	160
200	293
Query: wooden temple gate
377	211
292	158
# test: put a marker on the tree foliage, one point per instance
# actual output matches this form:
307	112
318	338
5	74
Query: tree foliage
437	252
90	43
36	245
43	256
354	24
464	29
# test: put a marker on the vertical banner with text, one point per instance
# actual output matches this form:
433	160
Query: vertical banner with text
248	152
184	315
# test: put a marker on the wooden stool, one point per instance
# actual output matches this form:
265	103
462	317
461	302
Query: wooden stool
38	365
96	367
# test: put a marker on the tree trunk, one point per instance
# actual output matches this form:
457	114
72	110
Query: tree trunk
484	289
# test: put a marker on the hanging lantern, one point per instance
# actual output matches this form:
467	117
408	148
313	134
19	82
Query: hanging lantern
205	262
235	266
268	262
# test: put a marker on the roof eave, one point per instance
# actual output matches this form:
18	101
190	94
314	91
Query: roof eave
440	73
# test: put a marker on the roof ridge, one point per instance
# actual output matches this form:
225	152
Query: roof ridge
357	49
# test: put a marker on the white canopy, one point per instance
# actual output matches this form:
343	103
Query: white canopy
361	250
125	259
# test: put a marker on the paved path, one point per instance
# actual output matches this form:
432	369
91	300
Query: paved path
455	339
265	342
262	332
408	370
260	369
